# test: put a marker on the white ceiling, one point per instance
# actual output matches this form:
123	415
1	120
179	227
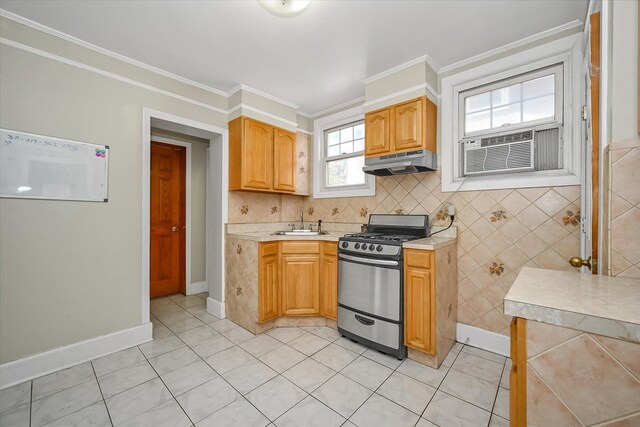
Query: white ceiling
317	59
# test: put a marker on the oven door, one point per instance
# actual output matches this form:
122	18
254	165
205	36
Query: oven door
372	286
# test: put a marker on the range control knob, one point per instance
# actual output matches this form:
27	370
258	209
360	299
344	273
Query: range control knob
345	244
379	248
364	247
357	246
372	247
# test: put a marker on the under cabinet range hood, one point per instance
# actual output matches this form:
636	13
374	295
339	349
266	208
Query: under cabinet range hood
401	163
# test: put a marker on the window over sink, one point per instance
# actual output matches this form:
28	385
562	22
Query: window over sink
339	156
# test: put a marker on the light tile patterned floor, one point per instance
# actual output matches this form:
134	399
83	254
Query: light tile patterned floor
203	371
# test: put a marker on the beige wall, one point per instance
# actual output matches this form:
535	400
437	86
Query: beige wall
71	271
624	70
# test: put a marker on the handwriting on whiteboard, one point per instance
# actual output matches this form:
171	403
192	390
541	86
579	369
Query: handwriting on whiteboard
12	138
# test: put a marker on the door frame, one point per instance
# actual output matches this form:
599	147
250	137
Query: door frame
187	206
216	202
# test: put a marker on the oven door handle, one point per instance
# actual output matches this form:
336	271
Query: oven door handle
368	260
364	320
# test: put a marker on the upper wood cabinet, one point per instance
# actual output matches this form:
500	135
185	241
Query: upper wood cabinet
377	138
261	157
406	126
257	153
420	301
284	160
409	125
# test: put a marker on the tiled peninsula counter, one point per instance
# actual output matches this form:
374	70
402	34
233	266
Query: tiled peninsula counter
275	280
575	346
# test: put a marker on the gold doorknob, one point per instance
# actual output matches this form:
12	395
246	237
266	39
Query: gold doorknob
578	262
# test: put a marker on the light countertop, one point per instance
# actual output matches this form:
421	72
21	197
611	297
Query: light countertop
602	305
429	243
268	236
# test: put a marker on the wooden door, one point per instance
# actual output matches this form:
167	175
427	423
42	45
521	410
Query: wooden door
167	251
377	137
329	280
284	160
300	284
419	310
409	125
268	282
258	155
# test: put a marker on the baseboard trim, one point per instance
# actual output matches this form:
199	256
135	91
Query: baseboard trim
486	340
197	288
215	307
37	365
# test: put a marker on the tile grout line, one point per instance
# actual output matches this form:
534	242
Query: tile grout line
470	403
220	375
394	370
161	379
438	388
101	393
31	403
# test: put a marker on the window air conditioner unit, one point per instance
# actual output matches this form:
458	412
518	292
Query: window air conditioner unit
526	150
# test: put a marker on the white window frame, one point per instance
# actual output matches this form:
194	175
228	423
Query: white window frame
555	70
320	190
565	51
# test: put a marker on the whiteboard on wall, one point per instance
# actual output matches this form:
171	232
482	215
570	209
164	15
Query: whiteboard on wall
42	167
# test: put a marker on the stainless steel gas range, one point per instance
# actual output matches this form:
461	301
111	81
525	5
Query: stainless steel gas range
371	281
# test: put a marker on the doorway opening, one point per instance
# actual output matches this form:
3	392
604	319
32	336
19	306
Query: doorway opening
184	209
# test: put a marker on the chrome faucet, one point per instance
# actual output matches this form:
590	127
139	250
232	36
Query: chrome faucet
301	218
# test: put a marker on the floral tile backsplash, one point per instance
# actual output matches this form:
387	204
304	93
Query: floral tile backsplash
499	231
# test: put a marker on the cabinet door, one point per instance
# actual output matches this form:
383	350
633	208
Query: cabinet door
419	309
300	284
284	160
268	282
409	120
329	280
257	153
377	136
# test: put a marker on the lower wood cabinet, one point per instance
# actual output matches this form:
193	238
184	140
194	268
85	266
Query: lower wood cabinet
419	301
329	280
518	374
297	278
300	284
268	281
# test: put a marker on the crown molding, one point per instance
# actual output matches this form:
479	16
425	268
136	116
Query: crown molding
262	112
262	94
425	85
336	107
425	58
108	74
59	34
541	35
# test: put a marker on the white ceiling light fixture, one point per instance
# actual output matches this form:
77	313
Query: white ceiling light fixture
285	8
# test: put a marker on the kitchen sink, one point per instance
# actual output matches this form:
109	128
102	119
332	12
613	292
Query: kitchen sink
299	233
